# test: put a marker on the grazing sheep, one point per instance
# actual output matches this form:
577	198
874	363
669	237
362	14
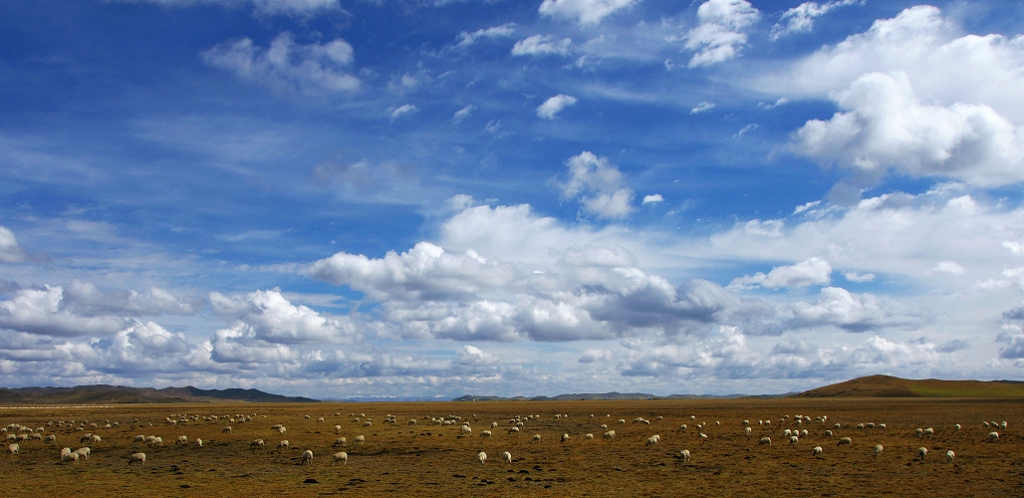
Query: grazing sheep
337	429
536	438
494	425
70	456
878	449
96	439
993	436
653	440
1003	425
14	448
482	457
64	451
565	437
199	442
226	430
588	436
50	438
929	431
828	433
919	431
360	439
157	441
256	443
182	440
137	457
340	441
485	433
881	426
283	444
816	451
984	424
956	427
847	441
949	456
922	452
608	435
340	456
84	451
507	457
787	433
466	430
793	440
280	430
307	457
747	431
686	455
765	440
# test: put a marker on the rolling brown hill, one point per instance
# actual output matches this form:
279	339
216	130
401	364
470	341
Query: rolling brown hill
104	394
885	386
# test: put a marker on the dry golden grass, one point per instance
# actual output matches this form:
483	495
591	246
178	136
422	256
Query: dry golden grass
429	460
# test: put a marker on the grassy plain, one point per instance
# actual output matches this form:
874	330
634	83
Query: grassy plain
431	460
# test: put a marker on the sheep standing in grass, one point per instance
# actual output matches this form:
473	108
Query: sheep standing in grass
360	439
765	440
793	440
485	433
340	441
307	457
588	436
70	456
182	440
507	457
878	449
993	436
536	438
922	452
137	457
817	451
565	437
608	435
226	430
13	448
686	455
340	456
199	442
844	441
283	444
950	455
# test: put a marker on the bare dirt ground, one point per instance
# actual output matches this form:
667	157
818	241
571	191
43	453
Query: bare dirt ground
425	459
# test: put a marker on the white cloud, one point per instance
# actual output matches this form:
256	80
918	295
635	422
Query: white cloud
599	185
10	251
859	277
800	19
941	64
42	311
586	12
542	45
778	102
702	107
303	8
88	299
814	271
882	124
595	355
552	106
463	113
402	110
948	267
267	316
720	35
653	199
288	65
503	31
852	312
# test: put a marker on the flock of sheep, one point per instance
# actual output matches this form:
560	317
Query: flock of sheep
791	429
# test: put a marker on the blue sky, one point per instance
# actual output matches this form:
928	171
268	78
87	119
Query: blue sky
432	198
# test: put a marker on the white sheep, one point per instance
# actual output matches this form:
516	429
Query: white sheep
828	433
13	448
226	429
993	436
360	439
608	435
137	457
307	457
96	439
199	442
84	451
817	451
956	427
466	430
340	441
506	457
64	451
494	425
283	444
922	452
686	455
747	431
878	449
182	440
256	443
485	433
847	441
340	456
482	457
765	440
929	431
950	455
565	437
536	438
69	456
793	440
337	429
588	436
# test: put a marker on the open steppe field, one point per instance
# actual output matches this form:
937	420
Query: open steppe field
426	459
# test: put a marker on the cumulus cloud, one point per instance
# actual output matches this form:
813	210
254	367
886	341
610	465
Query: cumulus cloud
505	30
719	35
542	45
267	316
10	251
303	8
288	65
800	19
554	105
858	277
882	124
599	185
814	271
653	199
940	63
585	12
851	312
87	299
402	110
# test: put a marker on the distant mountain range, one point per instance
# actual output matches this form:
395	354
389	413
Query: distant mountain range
885	386
104	394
